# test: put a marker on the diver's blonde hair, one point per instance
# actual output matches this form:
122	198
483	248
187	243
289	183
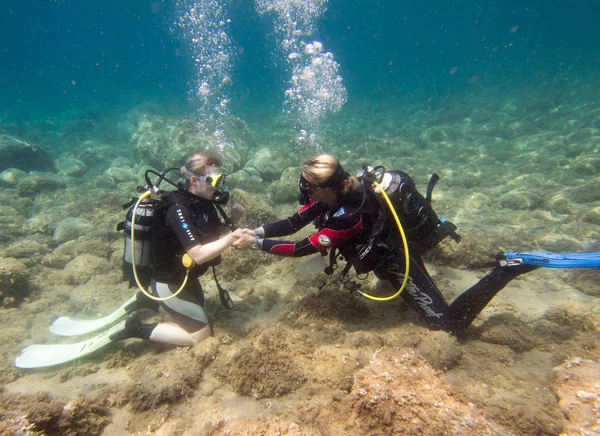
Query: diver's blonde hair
321	168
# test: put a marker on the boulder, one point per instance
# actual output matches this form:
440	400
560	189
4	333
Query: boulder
15	153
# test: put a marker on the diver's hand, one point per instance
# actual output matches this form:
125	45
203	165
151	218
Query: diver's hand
243	241
237	233
248	232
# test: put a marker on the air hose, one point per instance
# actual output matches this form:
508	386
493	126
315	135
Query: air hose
186	260
404	243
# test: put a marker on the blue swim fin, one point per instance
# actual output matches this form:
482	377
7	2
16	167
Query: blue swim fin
551	260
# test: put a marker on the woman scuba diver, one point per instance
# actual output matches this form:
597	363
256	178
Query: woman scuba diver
349	219
186	222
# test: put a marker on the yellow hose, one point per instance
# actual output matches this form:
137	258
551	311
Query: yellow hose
188	263
404	243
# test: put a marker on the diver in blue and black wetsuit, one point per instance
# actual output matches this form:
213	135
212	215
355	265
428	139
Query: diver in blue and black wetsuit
350	221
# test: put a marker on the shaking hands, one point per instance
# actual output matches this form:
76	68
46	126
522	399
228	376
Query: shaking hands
243	238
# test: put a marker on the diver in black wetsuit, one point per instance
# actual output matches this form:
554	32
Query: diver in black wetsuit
187	223
346	219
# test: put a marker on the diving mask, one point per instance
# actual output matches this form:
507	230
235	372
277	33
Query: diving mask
216	179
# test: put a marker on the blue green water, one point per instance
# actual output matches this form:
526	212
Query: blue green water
119	54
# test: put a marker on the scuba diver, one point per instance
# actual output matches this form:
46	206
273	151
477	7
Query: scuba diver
191	225
351	220
181	243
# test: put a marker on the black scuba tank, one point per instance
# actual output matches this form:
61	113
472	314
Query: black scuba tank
424	229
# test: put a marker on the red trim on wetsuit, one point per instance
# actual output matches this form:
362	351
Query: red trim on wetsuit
335	236
306	206
283	249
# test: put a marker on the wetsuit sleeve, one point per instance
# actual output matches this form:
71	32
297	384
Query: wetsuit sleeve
179	219
339	231
300	219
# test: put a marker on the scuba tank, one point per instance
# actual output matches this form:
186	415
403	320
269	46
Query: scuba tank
424	229
138	253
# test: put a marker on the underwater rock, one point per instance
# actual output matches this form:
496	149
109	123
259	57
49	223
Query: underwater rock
245	179
286	189
83	267
157	384
14	281
505	329
40	182
522	200
560	243
121	174
258	211
440	349
264	369
71	167
95	154
561	205
576	386
121	162
167	142
125	130
581	134
399	393
327	307
591	216
11	177
42	414
15	153
587	165
271	163
25	249
433	134
585	192
585	280
576	315
11	224
61	256
71	228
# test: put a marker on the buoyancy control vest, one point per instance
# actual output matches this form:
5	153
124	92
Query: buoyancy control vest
166	248
157	253
379	239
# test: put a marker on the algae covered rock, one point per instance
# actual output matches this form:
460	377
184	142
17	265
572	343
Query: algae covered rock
38	182
286	189
25	249
578	316
399	393
271	163
71	228
263	369
11	177
71	167
14	281
83	267
522	200
257	210
11	224
578	393
245	179
15	153
168	141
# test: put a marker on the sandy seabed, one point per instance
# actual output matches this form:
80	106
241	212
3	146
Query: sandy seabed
292	358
